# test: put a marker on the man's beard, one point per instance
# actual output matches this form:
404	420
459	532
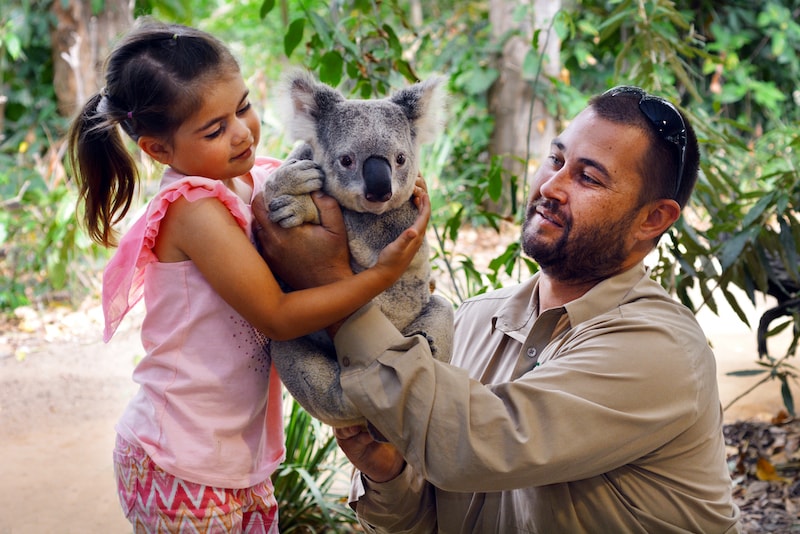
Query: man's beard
579	254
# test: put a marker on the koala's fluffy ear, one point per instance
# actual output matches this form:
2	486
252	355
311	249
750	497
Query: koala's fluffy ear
424	104
303	100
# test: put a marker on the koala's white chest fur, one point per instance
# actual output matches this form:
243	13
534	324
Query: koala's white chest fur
367	235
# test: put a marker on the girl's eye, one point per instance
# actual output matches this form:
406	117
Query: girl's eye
216	133
244	109
555	160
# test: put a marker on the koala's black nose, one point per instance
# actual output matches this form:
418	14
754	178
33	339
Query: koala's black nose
377	179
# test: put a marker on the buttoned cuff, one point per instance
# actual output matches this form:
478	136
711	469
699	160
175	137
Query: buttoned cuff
383	494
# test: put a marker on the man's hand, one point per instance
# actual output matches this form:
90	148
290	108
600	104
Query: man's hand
308	255
379	461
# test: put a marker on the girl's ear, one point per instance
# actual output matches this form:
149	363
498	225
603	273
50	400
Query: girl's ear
156	149
661	214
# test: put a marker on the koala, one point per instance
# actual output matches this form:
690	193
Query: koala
365	154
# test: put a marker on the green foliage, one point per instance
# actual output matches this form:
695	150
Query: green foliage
743	212
756	66
42	252
351	40
42	247
304	484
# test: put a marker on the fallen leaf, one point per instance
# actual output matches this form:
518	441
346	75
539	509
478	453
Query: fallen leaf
766	471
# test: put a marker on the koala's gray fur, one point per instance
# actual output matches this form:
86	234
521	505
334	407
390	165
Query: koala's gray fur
363	153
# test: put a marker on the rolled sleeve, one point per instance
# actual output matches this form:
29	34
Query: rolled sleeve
364	337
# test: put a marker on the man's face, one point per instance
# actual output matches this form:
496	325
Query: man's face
584	204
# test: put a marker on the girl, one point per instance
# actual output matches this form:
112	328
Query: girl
198	442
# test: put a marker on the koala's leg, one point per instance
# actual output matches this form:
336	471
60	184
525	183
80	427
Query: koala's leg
310	372
435	322
287	192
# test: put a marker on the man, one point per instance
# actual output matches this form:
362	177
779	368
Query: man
583	400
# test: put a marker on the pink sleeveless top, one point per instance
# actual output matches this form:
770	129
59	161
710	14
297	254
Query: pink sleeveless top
209	406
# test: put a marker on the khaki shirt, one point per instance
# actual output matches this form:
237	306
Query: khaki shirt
601	416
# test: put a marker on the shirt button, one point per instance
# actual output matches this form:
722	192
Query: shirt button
531	352
345	362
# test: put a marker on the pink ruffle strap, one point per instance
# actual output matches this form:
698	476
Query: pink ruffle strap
123	277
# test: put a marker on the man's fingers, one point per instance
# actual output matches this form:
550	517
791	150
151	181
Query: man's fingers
260	211
347	432
330	213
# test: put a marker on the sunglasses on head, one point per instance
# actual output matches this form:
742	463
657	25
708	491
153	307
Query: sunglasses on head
664	117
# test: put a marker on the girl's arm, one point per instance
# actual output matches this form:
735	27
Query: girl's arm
205	232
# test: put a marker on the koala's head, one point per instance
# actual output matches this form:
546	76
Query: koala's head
368	149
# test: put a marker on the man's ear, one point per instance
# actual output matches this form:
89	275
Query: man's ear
660	215
156	149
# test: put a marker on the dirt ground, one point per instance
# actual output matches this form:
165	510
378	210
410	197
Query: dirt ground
62	389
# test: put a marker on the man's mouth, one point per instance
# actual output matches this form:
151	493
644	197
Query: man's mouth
549	216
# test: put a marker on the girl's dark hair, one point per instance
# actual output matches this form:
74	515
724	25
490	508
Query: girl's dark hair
660	168
155	78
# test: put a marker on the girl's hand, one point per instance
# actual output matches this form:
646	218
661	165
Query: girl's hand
398	254
420	188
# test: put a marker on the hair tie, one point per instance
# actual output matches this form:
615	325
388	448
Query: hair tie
130	114
174	36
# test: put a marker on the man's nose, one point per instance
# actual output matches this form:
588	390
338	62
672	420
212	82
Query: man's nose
553	185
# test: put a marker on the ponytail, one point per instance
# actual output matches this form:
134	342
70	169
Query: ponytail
105	170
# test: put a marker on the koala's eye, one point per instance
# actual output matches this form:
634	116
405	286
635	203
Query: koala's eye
346	161
401	159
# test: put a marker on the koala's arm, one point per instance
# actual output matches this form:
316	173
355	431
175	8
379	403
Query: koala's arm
303	151
287	191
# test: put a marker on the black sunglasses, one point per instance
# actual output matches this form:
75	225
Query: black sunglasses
664	117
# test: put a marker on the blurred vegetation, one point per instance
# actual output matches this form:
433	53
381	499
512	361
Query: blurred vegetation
732	65
305	483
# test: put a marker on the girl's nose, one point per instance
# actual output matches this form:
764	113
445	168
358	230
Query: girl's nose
241	132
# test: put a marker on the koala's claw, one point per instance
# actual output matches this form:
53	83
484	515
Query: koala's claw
290	211
296	177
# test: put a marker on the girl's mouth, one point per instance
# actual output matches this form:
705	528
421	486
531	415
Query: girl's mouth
244	155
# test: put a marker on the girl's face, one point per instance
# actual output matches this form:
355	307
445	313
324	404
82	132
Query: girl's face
219	141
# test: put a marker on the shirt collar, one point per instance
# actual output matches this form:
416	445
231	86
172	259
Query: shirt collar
518	313
606	295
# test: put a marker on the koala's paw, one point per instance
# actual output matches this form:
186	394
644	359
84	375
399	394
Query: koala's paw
295	177
290	210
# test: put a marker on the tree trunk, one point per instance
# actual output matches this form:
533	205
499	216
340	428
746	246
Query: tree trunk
523	129
81	40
